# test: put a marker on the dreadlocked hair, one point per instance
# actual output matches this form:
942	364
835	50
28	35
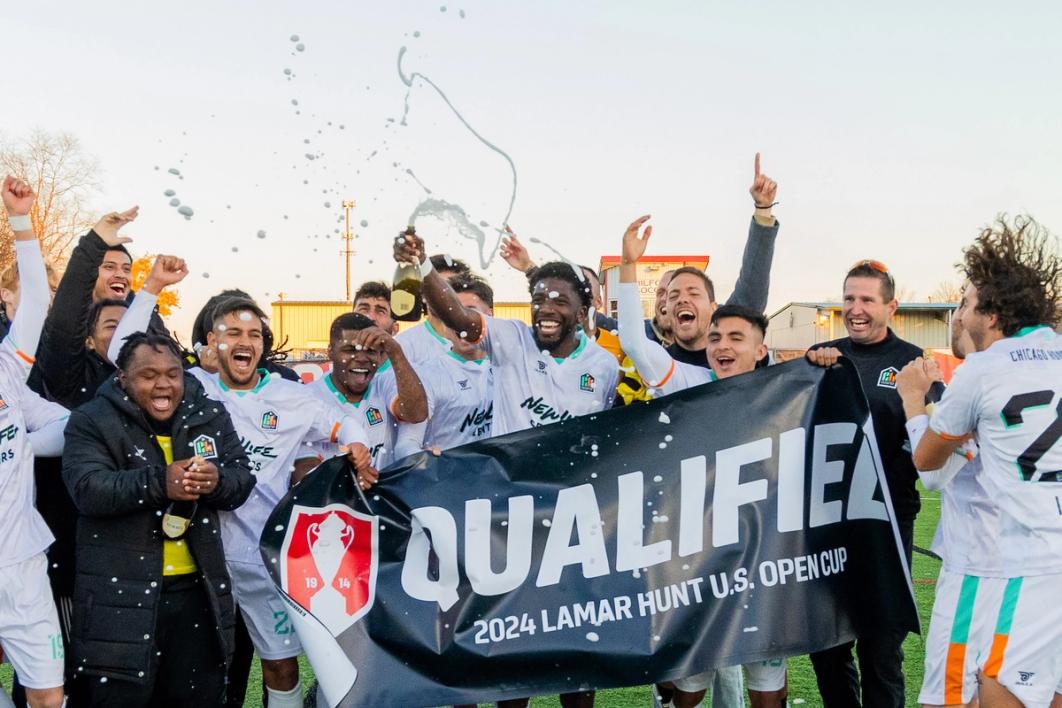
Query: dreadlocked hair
1017	271
158	342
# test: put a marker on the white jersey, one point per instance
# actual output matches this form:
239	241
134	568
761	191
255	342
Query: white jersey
1011	394
422	343
275	420
374	411
460	400
532	388
967	535
22	529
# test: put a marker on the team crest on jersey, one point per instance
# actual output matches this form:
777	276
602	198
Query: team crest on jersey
269	420
586	383
541	365
374	416
463	384
329	562
887	377
204	446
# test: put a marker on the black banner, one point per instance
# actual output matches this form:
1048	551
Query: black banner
741	520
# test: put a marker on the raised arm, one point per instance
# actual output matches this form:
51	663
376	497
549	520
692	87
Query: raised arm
165	271
60	356
34	295
653	362
754	280
411	402
437	292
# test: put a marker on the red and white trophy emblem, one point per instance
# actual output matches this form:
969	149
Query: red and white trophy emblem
328	566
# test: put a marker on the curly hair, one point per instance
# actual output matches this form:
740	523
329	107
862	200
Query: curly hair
1017	271
562	271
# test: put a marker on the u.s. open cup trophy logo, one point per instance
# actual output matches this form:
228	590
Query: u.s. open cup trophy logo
329	563
328	566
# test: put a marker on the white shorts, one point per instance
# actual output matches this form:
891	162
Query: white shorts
1025	653
704	680
766	675
264	611
959	638
29	624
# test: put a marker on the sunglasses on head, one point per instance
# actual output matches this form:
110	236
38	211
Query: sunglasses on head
875	265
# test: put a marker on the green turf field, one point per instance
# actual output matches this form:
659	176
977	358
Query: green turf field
802	690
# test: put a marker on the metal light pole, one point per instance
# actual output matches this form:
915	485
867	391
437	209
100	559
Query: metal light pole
347	250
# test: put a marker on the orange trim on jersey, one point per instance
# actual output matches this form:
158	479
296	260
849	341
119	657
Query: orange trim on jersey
335	432
482	329
394	410
953	673
952	438
995	657
664	380
25	357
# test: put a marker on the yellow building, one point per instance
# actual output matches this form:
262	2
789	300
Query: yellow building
305	323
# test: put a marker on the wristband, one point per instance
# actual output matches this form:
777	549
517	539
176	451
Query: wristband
764	206
426	267
20	222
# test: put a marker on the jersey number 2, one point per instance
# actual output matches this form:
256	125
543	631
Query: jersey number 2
1028	459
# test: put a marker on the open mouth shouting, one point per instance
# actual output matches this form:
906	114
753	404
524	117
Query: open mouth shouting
858	325
723	363
163	404
118	288
243	363
359	376
684	316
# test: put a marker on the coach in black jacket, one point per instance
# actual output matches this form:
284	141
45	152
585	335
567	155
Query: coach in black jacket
153	608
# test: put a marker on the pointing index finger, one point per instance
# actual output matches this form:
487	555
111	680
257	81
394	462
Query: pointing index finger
757	165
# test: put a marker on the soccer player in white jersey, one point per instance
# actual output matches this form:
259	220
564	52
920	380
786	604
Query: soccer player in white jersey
371	380
735	344
1009	392
29	623
966	541
427	341
275	419
544	373
460	382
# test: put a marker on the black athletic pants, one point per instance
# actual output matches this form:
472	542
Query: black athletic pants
880	661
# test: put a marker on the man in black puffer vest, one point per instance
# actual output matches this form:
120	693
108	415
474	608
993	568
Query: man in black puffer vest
149	463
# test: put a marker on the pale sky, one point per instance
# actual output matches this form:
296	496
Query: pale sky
894	130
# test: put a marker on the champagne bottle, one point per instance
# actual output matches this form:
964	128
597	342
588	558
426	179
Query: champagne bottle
406	303
177	519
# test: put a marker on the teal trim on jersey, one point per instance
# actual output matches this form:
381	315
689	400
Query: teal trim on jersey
1030	408
263	379
1030	329
343	399
463	360
578	350
434	333
383	367
960	629
1009	604
712	376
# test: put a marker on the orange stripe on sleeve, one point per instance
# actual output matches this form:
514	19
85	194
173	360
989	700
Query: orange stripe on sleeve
664	380
945	436
25	357
335	432
394	410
